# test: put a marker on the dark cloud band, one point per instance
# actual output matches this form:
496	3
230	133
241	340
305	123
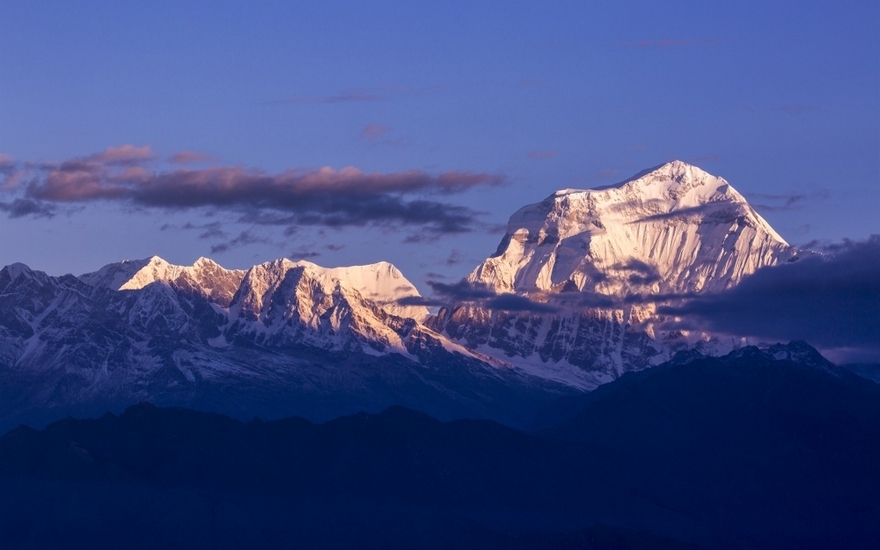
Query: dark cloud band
477	294
830	301
345	197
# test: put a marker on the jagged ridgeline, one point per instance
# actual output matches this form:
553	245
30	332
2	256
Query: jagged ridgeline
673	230
285	338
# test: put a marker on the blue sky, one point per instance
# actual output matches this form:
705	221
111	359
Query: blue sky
780	99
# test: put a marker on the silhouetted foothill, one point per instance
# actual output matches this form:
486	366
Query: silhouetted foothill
759	449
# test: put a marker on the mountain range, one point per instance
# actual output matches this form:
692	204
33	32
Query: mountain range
567	303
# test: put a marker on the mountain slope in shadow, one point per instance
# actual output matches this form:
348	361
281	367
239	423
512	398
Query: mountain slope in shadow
754	450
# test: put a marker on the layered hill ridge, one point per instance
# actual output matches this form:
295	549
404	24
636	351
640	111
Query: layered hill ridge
672	230
766	449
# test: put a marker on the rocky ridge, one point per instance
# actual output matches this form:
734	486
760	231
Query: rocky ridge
605	257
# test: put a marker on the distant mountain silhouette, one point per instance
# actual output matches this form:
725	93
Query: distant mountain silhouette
759	449
871	371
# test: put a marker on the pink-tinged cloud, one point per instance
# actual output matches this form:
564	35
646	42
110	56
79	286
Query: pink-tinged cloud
542	155
326	196
132	174
372	131
123	154
189	157
10	175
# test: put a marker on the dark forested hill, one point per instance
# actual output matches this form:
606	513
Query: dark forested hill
746	451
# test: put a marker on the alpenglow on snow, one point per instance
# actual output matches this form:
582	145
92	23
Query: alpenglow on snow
287	337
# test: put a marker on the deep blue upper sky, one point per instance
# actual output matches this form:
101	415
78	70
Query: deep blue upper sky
779	98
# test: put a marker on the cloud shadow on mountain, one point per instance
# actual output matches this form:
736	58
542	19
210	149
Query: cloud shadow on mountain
831	301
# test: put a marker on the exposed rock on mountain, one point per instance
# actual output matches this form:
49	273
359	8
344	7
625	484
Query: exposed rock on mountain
287	337
281	338
605	256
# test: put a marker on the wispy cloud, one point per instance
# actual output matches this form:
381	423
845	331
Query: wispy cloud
189	157
7	162
327	196
243	239
454	258
20	208
303	254
608	173
638	272
446	294
828	300
124	154
542	154
213	230
785	202
10	172
373	131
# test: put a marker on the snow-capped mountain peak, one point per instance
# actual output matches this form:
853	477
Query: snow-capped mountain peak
676	227
672	230
595	254
380	283
16	270
205	277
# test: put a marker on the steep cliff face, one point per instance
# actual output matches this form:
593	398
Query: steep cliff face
673	229
600	255
284	303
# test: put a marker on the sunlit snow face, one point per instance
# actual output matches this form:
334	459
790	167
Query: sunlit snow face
686	230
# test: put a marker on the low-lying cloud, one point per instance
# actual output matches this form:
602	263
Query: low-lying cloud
830	301
326	196
638	272
477	294
786	202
